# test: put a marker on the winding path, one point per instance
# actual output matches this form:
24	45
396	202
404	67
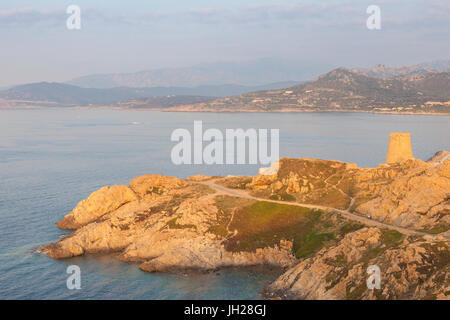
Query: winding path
242	194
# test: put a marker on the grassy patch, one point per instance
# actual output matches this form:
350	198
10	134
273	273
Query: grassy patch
311	243
226	206
355	293
339	261
391	237
439	228
283	197
350	227
264	224
172	224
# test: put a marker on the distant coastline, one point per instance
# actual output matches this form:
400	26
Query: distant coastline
199	110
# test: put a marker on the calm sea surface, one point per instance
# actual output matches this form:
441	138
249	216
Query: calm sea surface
52	159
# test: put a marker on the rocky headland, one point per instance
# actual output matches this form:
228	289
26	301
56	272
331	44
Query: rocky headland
324	222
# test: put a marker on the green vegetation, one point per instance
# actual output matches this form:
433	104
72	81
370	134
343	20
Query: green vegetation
283	197
246	225
391	237
439	228
226	206
350	227
339	261
311	243
355	293
172	224
441	254
264	224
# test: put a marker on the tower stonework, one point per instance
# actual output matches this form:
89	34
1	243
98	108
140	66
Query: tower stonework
399	147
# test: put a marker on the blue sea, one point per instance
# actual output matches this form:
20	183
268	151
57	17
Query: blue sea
50	159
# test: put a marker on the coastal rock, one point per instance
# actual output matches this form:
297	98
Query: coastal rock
199	178
410	269
416	198
167	232
440	157
96	205
209	254
262	181
155	183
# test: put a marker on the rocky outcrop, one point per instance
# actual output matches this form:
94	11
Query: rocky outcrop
166	224
412	194
199	178
440	157
150	184
414	198
169	224
100	202
410	269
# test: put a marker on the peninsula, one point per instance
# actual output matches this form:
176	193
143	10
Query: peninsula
322	222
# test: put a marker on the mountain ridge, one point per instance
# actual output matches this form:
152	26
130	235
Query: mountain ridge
384	71
247	73
62	94
344	90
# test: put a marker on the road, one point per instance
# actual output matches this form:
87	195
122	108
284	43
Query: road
347	214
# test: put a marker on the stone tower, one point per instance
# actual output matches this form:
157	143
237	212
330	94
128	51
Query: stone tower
399	147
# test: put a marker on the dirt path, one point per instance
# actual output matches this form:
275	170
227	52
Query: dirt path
369	222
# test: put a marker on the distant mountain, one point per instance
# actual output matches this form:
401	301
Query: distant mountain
248	73
159	102
383	71
345	90
68	95
60	94
439	65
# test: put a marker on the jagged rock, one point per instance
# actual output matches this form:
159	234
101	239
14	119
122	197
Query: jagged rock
440	157
409	270
262	181
96	205
199	178
272	170
155	183
415	199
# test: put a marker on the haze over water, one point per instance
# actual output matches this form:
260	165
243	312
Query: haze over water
51	159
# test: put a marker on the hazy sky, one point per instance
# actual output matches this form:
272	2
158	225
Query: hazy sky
133	35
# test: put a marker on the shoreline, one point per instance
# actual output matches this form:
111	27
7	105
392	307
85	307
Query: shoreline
168	110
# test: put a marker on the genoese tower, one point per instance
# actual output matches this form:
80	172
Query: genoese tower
399	147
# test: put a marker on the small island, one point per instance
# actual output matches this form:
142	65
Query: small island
322	222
